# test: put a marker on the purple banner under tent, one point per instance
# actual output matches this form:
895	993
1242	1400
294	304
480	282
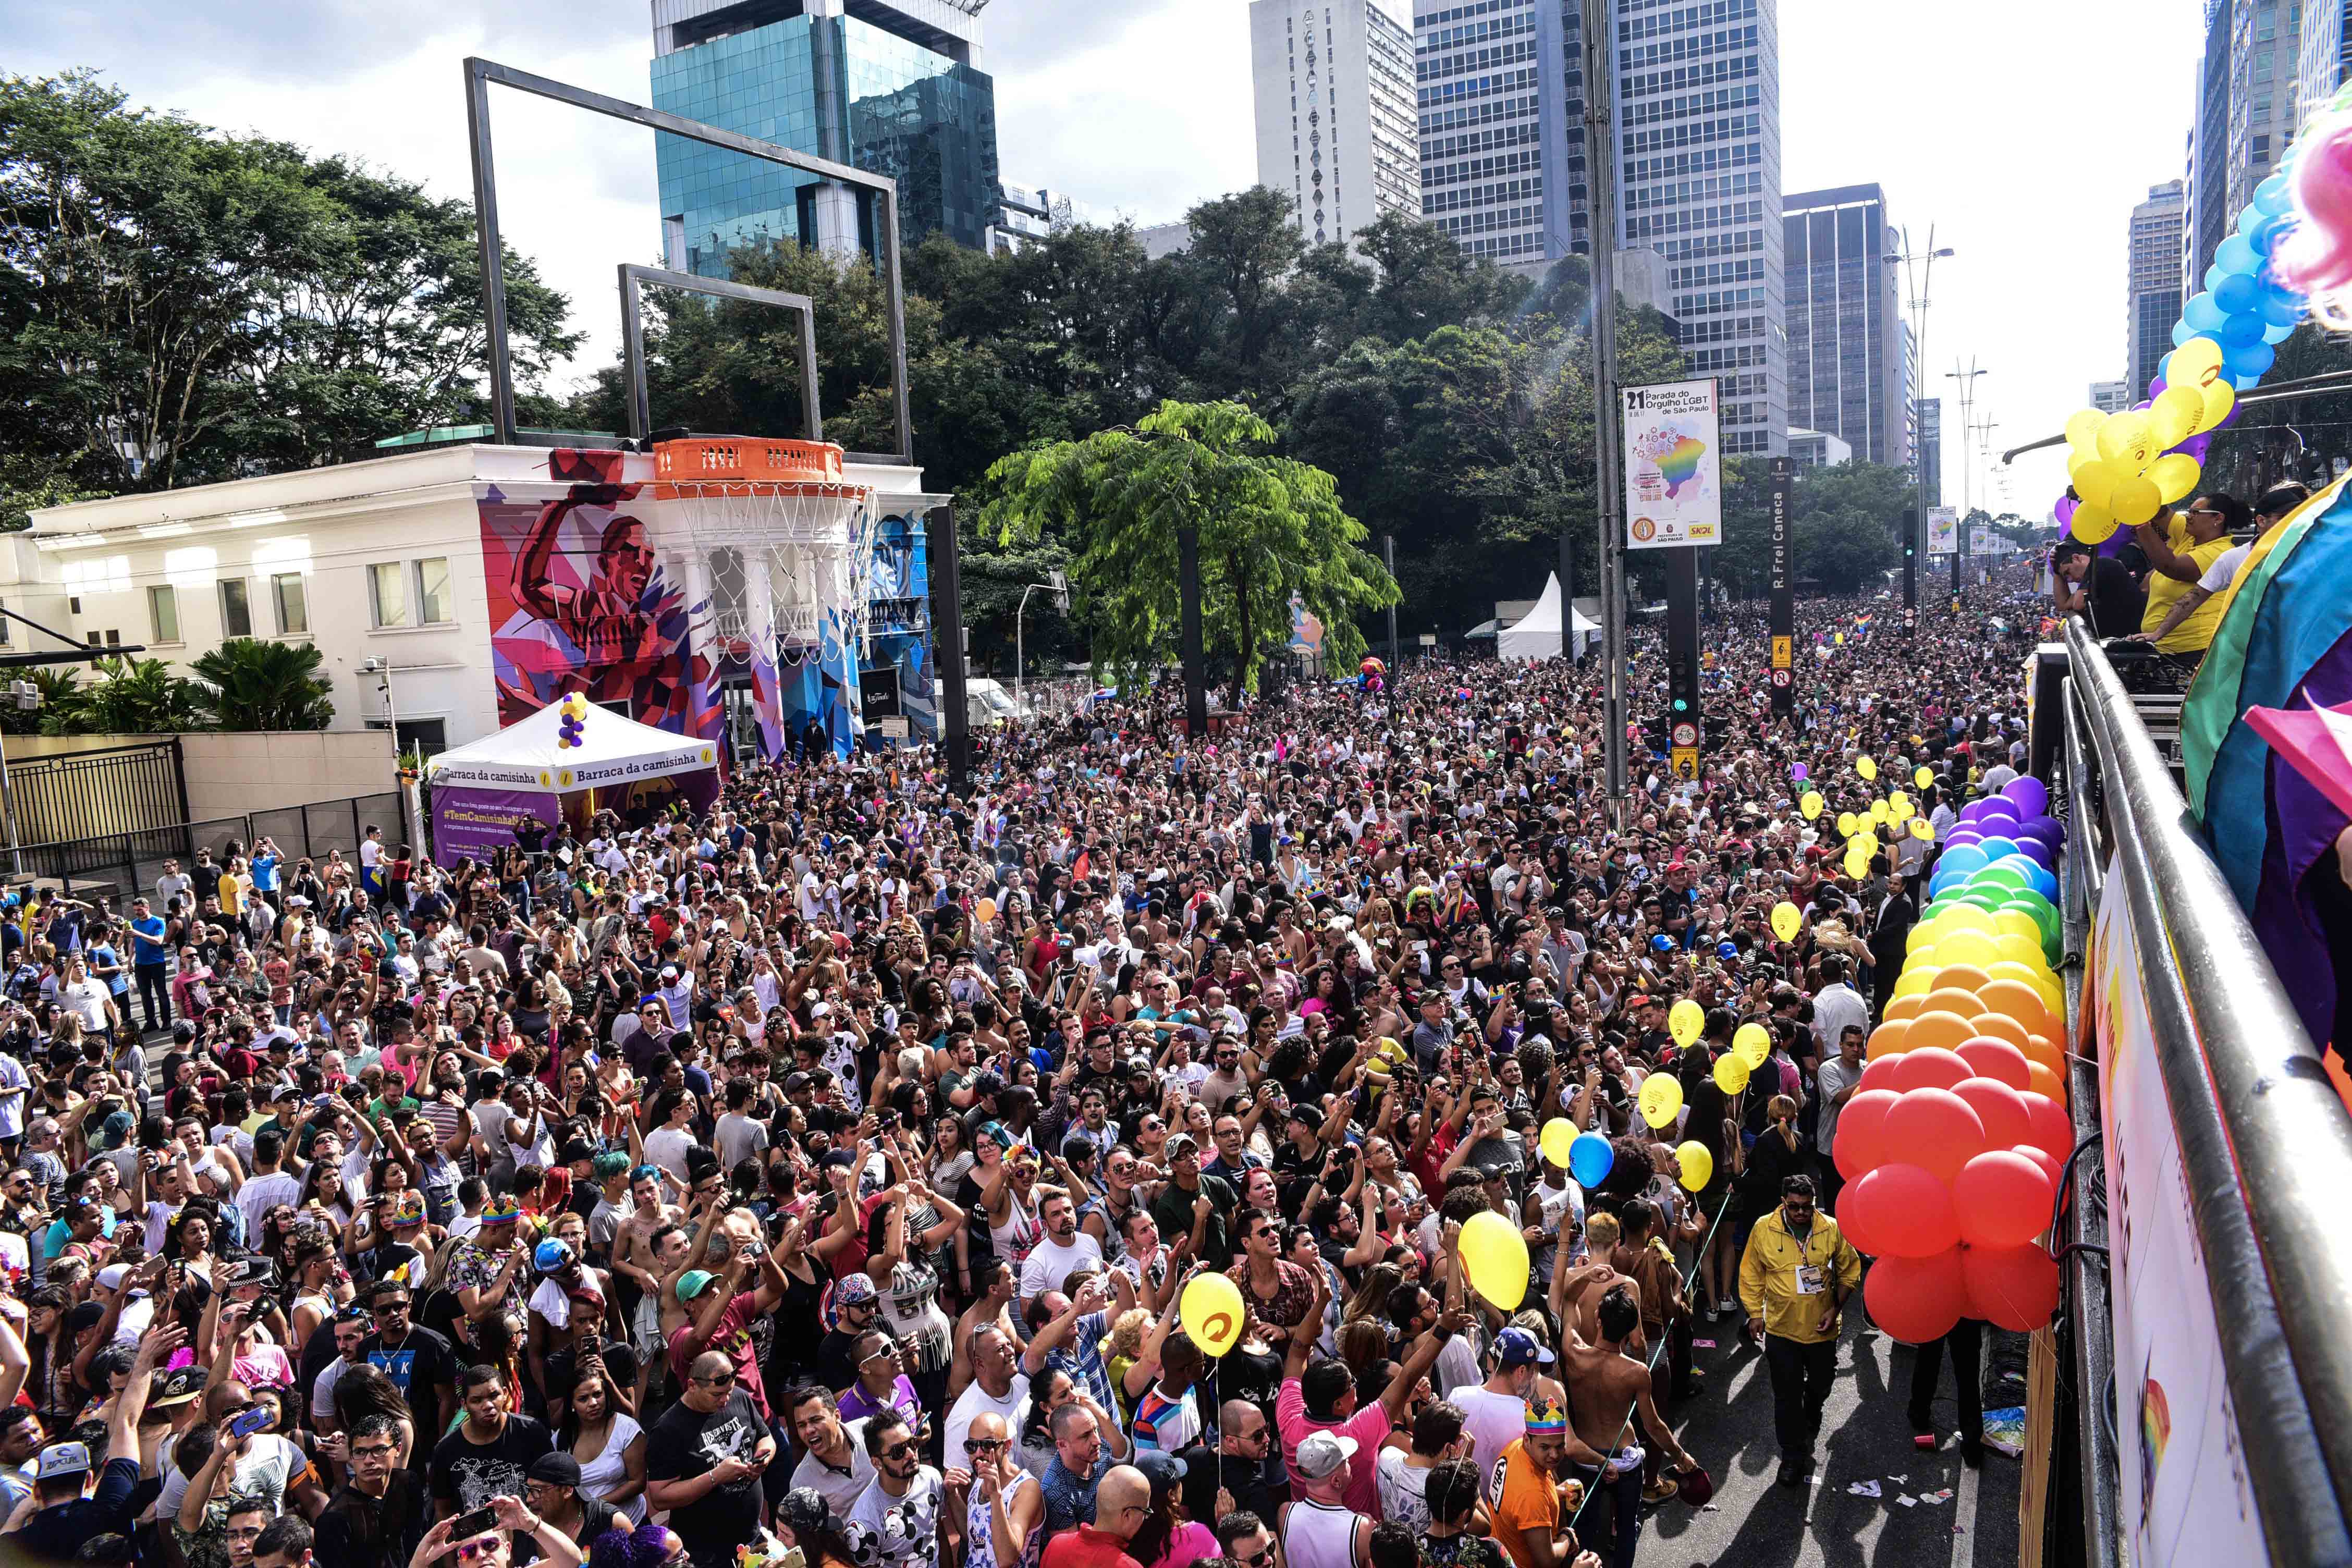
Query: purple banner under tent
474	822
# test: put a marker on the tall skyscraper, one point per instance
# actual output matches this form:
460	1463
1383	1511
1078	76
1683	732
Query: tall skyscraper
2247	84
2324	55
891	86
1333	82
1847	365
2153	303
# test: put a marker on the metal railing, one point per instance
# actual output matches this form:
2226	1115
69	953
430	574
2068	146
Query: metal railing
126	864
2265	1143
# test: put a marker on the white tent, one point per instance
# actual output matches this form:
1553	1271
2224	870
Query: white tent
1537	635
611	750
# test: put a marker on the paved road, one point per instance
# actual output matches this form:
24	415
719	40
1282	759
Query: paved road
1754	1523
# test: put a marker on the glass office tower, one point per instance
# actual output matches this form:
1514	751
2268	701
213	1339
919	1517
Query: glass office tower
891	86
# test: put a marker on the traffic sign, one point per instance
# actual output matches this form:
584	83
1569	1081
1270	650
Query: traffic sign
1684	736
1782	652
1779	680
1685	761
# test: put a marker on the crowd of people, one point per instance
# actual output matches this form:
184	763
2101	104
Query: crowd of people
823	1175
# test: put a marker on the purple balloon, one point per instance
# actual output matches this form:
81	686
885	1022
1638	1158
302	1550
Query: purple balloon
2032	795
1960	836
2141	406
1796	770
2040	854
2064	511
1972	811
1997	810
2155	387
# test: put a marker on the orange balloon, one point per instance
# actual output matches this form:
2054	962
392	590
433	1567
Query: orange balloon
1950	999
2037	1048
1887	1040
2042	1080
1949	1030
2016	999
1965	977
1903	1007
2002	1026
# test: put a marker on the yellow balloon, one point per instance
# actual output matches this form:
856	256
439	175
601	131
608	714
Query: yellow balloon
1879	810
2174	414
2095	483
1845	824
1558	1134
2196	362
2092	524
1969	947
1211	1308
1866	767
2175	475
1752	1043
2017	922
1857	864
985	909
1917	980
2220	398
2082	429
2024	950
1697	1165
1661	1097
1922	829
2125	442
1495	1255
2133	502
1787	921
1730	1073
1811	803
1924	777
1684	1019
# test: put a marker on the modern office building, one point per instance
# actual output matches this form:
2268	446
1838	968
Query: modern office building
1931	448
1333	84
1030	213
1848	372
2248	81
2153	302
2324	55
891	86
1817	448
2111	396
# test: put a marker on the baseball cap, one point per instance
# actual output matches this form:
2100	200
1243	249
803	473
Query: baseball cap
176	1387
112	1276
693	1283
1320	1455
1516	1347
552	1255
63	1459
1161	1468
556	1469
1182	1144
851	1289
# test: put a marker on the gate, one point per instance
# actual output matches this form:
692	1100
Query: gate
110	793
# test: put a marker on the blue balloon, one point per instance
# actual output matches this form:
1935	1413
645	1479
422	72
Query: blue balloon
2203	313
2237	255
2214	276
2251	220
1998	848
2250	360
2181	333
1589	1158
2277	334
2238	292
2272	196
2274	229
2282	307
2247	383
2242	330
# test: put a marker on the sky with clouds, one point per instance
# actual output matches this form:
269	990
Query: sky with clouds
2024	133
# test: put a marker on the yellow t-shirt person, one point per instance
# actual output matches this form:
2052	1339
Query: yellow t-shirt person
2194	633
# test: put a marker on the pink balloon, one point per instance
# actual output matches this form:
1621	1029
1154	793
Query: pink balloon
1907	1212
2001	1109
2002	1199
1936	1129
1989	1058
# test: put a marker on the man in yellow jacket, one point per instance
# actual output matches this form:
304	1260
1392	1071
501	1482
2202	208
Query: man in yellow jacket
1794	1279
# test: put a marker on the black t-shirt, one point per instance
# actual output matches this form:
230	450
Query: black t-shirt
420	1368
2115	602
686	1442
469	1474
352	1533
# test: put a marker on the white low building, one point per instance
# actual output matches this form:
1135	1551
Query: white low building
468	584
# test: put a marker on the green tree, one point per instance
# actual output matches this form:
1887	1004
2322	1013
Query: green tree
130	697
250	683
61	692
1268	527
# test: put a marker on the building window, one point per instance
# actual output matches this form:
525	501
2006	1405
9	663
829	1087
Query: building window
432	591
163	613
293	606
388	593
237	615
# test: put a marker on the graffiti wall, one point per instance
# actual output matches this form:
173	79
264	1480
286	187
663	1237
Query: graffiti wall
580	601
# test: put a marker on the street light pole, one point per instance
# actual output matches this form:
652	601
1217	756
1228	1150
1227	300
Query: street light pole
1599	33
1917	284
1967	380
1059	588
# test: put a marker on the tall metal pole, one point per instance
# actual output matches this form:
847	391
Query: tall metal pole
1020	662
1924	278
947	621
1568	649
1598	35
1388	555
1967	380
1196	663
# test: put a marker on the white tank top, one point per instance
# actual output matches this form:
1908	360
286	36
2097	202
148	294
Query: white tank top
1018	1234
1319	1535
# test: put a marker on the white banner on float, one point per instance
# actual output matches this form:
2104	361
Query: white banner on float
1674	465
2185	1493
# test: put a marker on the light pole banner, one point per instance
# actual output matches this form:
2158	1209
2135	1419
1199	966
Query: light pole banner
1674	465
1943	530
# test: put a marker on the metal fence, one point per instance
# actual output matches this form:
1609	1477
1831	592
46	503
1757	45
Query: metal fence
105	790
120	865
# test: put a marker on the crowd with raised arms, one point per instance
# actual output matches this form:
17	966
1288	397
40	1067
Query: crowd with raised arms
827	1173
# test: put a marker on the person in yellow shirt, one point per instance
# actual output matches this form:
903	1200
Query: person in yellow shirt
1794	1277
2182	547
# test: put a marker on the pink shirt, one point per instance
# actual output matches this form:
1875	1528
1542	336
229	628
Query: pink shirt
1368	1426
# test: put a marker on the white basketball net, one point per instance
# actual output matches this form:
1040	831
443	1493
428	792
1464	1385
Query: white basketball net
810	545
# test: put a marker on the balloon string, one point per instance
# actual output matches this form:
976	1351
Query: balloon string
1698	1260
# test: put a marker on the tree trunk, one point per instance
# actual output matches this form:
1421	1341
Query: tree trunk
1238	575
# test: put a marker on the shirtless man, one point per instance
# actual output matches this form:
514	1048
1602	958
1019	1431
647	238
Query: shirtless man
1576	1292
1605	1386
645	1262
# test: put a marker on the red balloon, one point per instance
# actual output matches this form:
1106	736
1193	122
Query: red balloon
1907	1212
1916	1299
2015	1288
1989	1057
2050	1165
2002	1199
2050	1129
1935	1129
1880	1073
2000	1107
1930	1067
1860	1145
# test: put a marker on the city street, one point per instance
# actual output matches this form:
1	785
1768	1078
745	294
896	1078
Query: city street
1865	1438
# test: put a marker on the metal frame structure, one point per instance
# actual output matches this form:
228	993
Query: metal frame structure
481	74
633	336
2264	1142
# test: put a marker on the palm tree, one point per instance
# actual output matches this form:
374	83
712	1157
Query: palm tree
138	697
252	684
61	694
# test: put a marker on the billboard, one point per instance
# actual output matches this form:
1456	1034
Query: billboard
1943	530
2185	1495
1674	465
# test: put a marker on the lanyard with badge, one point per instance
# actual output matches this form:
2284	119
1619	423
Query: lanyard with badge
1811	1279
